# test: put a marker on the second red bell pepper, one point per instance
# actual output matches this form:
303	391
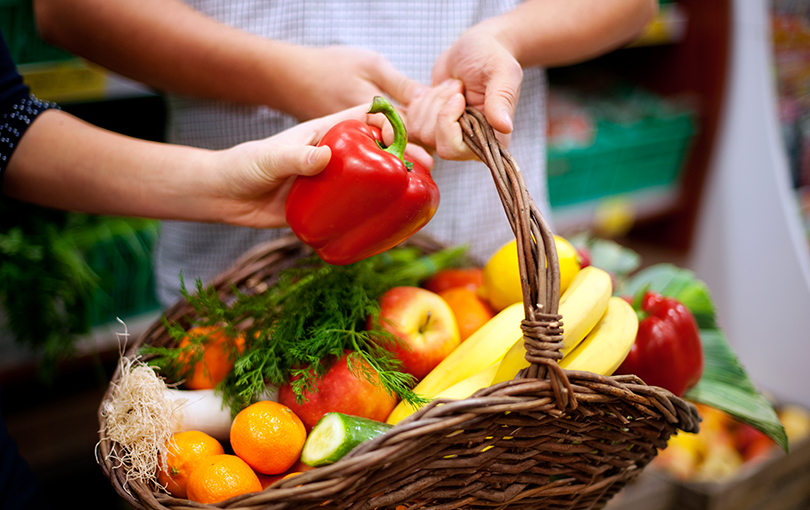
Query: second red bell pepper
368	199
667	351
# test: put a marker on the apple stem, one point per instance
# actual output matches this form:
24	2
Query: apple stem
424	325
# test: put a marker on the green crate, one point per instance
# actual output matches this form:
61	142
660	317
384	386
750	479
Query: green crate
19	30
123	264
624	157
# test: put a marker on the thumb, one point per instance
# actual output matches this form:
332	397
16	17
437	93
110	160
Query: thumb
316	160
290	160
502	95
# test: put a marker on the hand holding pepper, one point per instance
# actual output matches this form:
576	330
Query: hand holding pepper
368	199
667	351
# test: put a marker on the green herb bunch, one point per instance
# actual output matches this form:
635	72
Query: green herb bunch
46	283
43	281
306	320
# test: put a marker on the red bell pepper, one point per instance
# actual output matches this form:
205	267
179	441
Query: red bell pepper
667	351
368	198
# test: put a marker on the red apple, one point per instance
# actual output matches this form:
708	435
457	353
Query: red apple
341	391
424	323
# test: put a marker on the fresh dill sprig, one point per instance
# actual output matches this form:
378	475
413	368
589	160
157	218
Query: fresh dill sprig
311	316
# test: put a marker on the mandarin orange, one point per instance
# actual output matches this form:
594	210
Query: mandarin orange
184	450
220	477
211	353
469	277
470	309
268	436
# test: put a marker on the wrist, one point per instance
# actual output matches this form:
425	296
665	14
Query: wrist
281	75
503	30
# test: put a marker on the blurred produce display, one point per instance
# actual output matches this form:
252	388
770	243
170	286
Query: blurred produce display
613	139
791	46
725	446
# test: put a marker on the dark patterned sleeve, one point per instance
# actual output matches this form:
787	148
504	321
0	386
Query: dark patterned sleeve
18	108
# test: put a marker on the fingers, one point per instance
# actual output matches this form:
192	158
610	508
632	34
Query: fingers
311	131
433	121
418	154
449	137
315	160
282	161
395	84
423	112
502	94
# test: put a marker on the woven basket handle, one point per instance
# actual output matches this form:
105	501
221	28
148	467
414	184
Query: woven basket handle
537	257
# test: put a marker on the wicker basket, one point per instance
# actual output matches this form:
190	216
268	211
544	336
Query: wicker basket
550	438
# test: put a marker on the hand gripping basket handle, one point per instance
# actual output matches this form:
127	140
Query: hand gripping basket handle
537	258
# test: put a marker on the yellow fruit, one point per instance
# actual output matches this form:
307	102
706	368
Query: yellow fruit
608	343
796	421
471	384
614	217
482	349
583	304
569	262
581	307
501	275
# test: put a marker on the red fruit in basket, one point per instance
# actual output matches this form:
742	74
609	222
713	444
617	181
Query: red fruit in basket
425	324
667	351
340	390
468	277
751	442
584	255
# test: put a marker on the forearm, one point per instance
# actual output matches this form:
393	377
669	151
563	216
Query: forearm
168	45
65	163
562	32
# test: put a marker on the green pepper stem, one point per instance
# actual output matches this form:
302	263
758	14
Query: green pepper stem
397	147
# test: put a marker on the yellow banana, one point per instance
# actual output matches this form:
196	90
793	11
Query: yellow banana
581	307
461	390
483	348
608	343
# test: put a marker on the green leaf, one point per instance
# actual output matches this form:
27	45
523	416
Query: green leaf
725	385
677	283
613	257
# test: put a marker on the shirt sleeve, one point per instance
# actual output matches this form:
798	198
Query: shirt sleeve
18	108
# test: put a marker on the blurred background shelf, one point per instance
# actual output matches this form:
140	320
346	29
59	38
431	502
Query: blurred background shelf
668	27
76	80
688	63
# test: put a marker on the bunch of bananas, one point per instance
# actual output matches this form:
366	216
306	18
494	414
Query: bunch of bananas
598	331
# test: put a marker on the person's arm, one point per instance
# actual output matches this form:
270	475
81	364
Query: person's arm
66	163
172	47
489	59
553	33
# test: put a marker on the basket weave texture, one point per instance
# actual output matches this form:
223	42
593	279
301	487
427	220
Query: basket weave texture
549	439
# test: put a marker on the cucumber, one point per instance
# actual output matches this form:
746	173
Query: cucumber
335	435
